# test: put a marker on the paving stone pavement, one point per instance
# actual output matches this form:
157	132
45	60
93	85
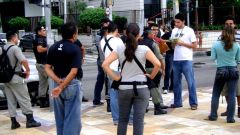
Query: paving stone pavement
96	121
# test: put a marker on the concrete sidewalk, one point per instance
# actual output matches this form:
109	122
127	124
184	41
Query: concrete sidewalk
96	121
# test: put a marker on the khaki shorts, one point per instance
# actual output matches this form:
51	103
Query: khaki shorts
224	91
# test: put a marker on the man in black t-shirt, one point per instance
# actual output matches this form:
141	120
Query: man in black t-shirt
63	62
40	52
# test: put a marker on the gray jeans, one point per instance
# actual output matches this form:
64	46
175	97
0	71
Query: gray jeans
127	100
17	93
43	80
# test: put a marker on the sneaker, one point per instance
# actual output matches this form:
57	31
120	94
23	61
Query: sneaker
163	107
84	99
231	121
98	103
115	123
165	91
209	118
224	114
194	107
174	106
130	122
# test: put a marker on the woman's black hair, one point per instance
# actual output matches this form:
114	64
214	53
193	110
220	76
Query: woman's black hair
131	42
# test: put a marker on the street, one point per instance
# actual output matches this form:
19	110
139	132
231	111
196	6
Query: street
204	69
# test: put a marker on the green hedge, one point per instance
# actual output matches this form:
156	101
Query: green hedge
211	27
19	23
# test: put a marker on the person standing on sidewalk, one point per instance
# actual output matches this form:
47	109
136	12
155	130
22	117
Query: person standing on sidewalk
40	51
16	90
80	71
108	44
168	62
133	91
226	52
101	75
229	21
63	62
184	43
154	92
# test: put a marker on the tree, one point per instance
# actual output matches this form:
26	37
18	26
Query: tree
81	6
120	22
56	22
19	23
92	17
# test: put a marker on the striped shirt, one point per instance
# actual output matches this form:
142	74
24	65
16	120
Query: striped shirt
237	36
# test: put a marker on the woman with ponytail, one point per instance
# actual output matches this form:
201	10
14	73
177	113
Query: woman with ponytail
226	52
133	90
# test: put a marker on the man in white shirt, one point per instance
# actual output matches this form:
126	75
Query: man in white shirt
108	44
184	41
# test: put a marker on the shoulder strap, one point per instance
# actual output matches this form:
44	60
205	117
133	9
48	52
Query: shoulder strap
107	44
123	64
139	64
5	52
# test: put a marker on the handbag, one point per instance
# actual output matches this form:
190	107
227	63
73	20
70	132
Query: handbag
163	47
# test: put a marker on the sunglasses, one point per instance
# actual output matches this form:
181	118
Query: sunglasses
179	35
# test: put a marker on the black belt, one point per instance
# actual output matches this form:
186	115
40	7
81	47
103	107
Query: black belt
134	83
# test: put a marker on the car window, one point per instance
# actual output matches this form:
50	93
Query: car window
2	94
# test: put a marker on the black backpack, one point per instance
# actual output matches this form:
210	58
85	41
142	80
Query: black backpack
6	70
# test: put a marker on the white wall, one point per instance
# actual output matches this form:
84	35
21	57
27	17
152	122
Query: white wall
122	5
32	10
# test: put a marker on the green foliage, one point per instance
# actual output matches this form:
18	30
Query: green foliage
81	6
92	17
121	22
211	27
238	26
56	22
19	23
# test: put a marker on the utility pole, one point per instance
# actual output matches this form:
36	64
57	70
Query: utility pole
110	5
47	11
175	7
65	11
188	20
163	10
196	15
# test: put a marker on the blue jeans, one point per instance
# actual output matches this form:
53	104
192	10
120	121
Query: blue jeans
186	68
228	75
168	71
67	109
99	83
